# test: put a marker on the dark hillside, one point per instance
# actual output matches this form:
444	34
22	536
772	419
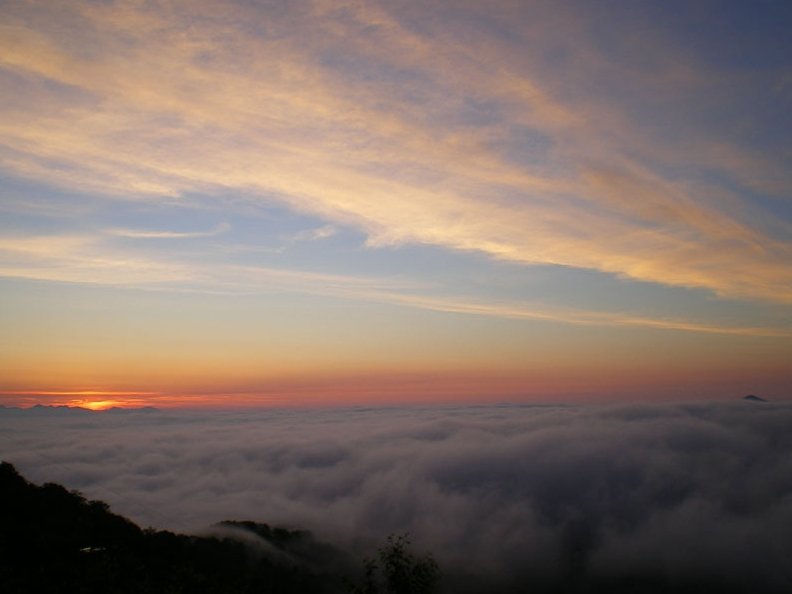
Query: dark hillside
54	540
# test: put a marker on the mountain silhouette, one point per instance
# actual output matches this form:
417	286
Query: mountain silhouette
54	540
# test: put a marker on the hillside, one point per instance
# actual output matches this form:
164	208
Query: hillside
54	540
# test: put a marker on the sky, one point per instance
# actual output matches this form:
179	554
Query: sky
291	203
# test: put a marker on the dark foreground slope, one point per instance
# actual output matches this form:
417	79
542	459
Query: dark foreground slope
53	540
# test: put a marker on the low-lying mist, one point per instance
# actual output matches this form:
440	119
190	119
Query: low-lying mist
503	496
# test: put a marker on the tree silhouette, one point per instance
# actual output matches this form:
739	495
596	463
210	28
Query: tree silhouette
53	540
398	571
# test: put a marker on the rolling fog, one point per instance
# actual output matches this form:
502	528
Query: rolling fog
509	495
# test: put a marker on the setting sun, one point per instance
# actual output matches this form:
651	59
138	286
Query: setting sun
97	404
512	277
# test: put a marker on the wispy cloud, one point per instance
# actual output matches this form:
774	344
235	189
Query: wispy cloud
534	311
83	259
147	234
354	114
315	234
86	259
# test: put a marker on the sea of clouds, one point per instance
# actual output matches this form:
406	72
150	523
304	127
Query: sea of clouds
503	496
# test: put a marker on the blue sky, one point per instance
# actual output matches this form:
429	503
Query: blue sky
282	191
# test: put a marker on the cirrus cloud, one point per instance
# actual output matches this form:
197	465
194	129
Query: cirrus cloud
437	133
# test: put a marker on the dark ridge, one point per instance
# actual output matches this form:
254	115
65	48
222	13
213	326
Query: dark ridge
54	540
58	408
294	544
123	409
63	409
753	398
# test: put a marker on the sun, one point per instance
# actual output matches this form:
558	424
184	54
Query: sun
92	404
103	401
99	404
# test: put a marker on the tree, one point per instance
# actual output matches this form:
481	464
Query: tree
398	571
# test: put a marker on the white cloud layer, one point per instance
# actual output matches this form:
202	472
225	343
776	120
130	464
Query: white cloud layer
513	494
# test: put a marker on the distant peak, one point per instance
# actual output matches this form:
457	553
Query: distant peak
67	409
130	409
753	398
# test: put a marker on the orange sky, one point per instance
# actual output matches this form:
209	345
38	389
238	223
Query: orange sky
228	204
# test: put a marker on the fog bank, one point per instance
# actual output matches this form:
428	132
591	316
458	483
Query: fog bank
512	494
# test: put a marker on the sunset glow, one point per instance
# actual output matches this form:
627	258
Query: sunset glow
99	404
230	204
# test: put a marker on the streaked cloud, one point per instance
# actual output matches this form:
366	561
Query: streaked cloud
82	259
519	311
88	260
148	234
354	113
554	187
315	234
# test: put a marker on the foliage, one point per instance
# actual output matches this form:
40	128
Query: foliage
54	540
398	571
